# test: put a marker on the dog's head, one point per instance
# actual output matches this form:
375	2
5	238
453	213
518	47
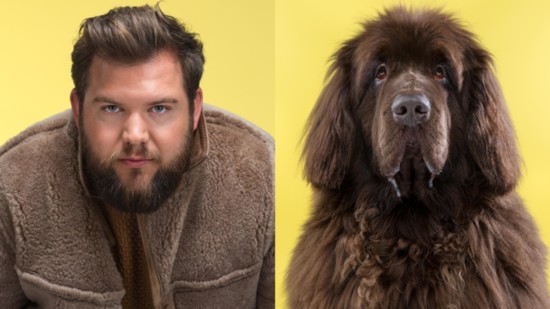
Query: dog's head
411	99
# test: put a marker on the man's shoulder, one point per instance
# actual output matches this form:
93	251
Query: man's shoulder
36	133
39	146
240	151
233	129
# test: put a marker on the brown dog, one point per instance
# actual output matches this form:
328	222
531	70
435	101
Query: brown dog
412	157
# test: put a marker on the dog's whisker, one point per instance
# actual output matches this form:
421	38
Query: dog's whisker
395	186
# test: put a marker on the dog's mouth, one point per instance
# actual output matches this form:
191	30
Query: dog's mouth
415	163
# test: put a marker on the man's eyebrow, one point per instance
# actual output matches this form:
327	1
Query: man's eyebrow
102	99
165	100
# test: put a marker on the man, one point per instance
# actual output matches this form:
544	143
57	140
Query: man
141	197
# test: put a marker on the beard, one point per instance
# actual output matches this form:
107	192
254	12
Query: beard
105	184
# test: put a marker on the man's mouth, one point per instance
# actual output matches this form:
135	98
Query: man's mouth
135	162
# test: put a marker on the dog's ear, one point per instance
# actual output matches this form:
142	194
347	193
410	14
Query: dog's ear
490	133
329	131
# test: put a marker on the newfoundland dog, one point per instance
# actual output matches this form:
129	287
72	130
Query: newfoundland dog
413	161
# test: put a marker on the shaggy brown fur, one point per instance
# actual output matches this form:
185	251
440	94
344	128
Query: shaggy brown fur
414	205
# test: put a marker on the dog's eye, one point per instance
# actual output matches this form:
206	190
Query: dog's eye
381	72
439	72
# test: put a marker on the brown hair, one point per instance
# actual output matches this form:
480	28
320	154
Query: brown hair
133	34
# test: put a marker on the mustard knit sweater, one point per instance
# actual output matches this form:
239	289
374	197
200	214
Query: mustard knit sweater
130	259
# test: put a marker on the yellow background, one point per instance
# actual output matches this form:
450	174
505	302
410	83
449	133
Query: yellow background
308	32
36	40
266	61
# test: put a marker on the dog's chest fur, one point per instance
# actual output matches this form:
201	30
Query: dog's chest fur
398	265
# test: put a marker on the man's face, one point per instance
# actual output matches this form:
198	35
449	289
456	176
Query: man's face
135	130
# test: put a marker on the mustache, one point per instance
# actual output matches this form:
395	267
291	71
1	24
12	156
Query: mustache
131	150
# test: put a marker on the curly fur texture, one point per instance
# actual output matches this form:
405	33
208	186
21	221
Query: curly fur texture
423	215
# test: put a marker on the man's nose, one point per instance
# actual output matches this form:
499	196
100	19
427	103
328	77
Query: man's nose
135	130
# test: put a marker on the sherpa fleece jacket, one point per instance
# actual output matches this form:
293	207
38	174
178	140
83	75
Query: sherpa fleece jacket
210	246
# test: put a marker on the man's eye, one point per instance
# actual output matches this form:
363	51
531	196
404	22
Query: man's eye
111	109
159	109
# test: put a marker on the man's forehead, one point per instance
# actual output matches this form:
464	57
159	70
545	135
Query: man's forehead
164	64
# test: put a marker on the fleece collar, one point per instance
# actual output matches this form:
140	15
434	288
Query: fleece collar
200	143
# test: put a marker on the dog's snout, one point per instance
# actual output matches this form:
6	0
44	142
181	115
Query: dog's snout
411	109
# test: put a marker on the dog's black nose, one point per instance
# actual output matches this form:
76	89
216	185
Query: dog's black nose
411	109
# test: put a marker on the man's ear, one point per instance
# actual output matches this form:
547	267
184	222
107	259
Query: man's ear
198	108
75	106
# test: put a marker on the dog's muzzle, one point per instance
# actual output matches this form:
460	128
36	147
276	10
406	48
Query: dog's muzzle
411	110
